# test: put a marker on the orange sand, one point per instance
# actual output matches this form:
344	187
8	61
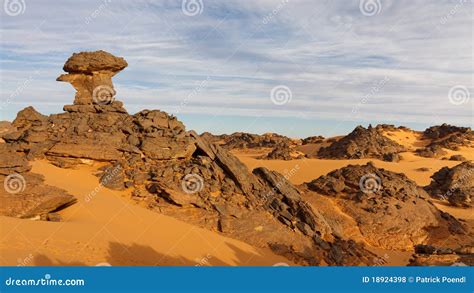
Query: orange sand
109	228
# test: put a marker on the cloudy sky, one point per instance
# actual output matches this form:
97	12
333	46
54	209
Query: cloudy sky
294	67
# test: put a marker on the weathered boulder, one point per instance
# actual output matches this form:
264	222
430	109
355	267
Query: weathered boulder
361	143
391	210
454	184
90	73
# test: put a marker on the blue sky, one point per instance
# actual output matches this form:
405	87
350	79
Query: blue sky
338	62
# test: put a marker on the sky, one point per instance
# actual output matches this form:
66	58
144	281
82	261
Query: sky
294	67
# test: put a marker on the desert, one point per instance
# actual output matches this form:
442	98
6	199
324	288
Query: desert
97	186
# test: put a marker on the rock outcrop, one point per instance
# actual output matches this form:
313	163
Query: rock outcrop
392	212
454	184
428	255
313	139
282	152
449	137
90	73
24	194
361	143
171	170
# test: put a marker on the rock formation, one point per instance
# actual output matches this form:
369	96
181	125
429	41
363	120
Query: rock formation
282	152
24	194
428	255
90	73
392	212
242	140
361	143
454	184
448	136
174	171
313	139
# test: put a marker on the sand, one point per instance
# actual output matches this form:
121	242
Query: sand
109	228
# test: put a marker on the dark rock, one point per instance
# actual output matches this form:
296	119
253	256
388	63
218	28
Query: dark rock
361	143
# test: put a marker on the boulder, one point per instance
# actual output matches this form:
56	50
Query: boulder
454	184
361	143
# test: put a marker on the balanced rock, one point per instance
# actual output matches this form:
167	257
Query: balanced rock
90	73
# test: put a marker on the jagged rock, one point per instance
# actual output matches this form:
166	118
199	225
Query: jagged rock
361	143
90	73
242	140
6	128
28	197
313	139
429	255
449	137
457	158
12	161
455	184
282	152
391	210
433	151
113	177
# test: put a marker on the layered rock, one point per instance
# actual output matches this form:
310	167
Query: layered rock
449	137
90	73
361	143
392	212
24	194
242	140
428	255
171	170
312	139
282	152
454	184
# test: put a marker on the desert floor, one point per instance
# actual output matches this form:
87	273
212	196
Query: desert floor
109	229
106	227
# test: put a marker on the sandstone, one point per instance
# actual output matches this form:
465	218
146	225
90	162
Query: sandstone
455	184
361	143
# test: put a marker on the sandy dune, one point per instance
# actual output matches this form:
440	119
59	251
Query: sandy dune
106	227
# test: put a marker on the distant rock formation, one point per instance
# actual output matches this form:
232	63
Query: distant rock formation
361	143
454	184
313	139
449	137
282	152
243	140
392	212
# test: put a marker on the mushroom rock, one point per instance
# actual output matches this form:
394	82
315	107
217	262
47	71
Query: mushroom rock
90	73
